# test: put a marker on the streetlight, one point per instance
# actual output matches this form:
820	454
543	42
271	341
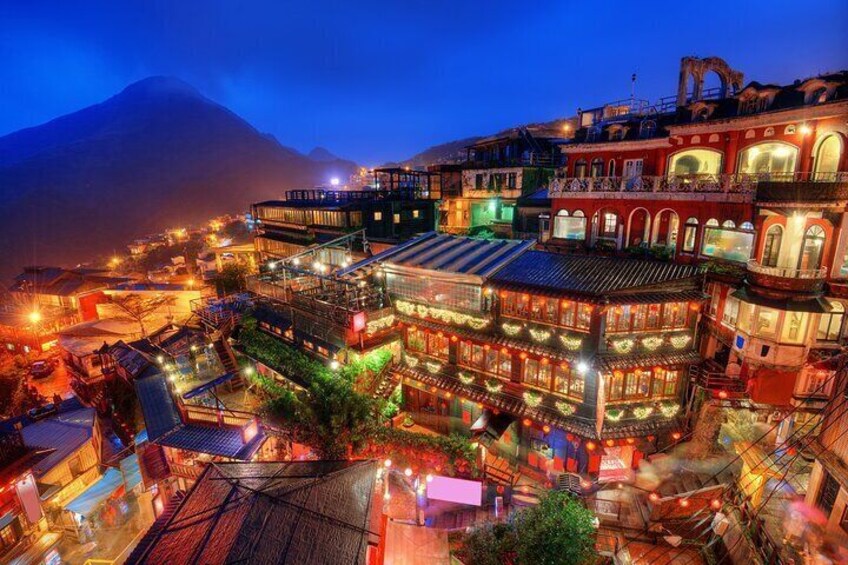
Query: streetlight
334	181
34	316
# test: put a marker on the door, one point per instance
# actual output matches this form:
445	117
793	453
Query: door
632	168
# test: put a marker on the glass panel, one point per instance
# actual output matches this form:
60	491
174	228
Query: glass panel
573	228
730	245
696	162
766	322
827	156
768	158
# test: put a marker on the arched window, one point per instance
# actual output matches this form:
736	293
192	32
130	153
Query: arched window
570	227
690	233
695	162
580	168
811	249
728	224
771	246
611	168
647	128
597	167
830	324
712	222
747	226
828	156
772	157
609	225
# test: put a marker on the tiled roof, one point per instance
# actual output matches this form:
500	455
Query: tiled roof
62	434
288	513
593	275
449	254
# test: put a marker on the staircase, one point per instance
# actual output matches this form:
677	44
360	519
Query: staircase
387	381
499	471
225	352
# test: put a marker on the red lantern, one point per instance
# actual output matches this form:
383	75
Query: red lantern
610	443
630	441
590	446
527	422
676	436
684	502
545	361
454	338
653	497
715	504
722	394
523	355
504	350
486	346
546	429
448	395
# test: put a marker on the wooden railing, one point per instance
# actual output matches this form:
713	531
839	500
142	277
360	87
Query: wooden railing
786	272
191	472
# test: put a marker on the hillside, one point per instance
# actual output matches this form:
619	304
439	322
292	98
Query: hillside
158	154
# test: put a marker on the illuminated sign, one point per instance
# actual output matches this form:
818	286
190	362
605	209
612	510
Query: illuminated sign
459	491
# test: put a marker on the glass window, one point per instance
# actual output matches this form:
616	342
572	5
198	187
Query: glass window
597	168
766	322
580	168
811	249
828	155
830	325
731	311
537	373
396	218
416	340
566	313
573	227
437	345
794	327
569	383
378	216
730	245
768	158
696	162
771	247
416	213
728	224
690	232
610	225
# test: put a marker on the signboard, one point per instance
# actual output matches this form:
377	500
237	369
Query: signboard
460	491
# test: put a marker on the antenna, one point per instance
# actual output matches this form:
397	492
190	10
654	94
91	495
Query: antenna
633	86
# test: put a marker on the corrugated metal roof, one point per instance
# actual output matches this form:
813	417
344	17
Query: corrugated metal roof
157	405
63	435
287	513
588	274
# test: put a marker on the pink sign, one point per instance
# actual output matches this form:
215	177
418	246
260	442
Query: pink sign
455	490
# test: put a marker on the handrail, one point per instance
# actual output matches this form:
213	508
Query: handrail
786	272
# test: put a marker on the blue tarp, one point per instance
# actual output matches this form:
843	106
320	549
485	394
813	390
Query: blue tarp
131	471
206	387
98	492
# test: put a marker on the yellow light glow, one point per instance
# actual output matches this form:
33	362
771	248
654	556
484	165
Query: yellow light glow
34	316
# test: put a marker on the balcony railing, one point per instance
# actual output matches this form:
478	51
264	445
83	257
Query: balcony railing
701	184
754	266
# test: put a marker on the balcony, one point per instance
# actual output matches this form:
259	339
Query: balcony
765	187
786	278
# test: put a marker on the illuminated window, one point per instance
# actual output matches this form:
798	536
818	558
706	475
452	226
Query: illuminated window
537	374
416	214
610	225
597	169
570	227
811	249
828	156
569	383
830	325
727	244
580	168
396	218
690	233
696	162
772	157
771	247
378	216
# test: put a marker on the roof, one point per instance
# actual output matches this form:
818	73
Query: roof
449	254
56	281
288	513
85	338
60	435
165	426
593	275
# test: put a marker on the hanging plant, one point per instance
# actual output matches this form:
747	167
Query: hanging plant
571	343
494	386
532	399
680	341
652	342
433	367
511	329
565	408
642	412
669	409
540	336
410	360
624	345
465	379
614	414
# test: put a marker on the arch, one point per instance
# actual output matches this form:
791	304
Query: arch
750	134
728	224
712	222
790	129
828	155
812	247
647	128
714	138
569	227
597	168
747	226
771	246
580	168
606	223
769	132
665	228
695	70
696	139
768	157
611	168
638	227
698	161
690	234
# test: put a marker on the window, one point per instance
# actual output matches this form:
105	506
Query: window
747	226
438	345
830	325
754	104
647	128
570	227
828	493
537	373
611	168
665	382
766	322
8	536
514	304
712	222
690	233
396	218
580	168
728	224
569	383
696	162
771	247
416	340
416	214
478	181
597	168
486	359
610	225
730	315
828	155
772	157
811	249
727	244
544	309
378	216
511	180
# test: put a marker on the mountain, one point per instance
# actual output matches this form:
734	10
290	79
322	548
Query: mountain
156	155
321	154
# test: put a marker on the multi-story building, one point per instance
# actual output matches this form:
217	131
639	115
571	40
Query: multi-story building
499	170
750	179
400	207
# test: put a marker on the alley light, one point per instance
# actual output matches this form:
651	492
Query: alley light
334	181
272	266
806	130
407	472
249	370
582	367
34	316
387	463
334	365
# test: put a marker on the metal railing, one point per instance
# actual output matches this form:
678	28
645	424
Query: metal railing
740	183
787	272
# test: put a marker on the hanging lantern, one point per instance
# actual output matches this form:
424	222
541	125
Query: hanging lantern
676	436
448	395
486	346
527	422
610	443
630	441
653	497
722	394
523	355
618	374
504	350
454	338
545	361
546	429
590	446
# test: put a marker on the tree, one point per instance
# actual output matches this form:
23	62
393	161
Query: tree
559	530
232	278
139	308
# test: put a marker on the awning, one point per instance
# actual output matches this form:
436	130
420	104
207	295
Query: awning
206	387
489	427
815	305
7	519
97	493
131	471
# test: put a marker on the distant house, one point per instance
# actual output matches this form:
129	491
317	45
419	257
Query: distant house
289	512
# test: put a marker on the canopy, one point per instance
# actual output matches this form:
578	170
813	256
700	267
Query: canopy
131	471
98	492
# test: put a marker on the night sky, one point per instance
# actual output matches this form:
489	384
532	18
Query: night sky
376	81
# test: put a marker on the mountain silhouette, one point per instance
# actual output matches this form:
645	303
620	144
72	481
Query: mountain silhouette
157	155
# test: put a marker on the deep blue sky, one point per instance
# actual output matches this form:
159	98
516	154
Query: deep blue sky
374	81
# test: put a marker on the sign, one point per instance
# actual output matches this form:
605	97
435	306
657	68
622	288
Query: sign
459	491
